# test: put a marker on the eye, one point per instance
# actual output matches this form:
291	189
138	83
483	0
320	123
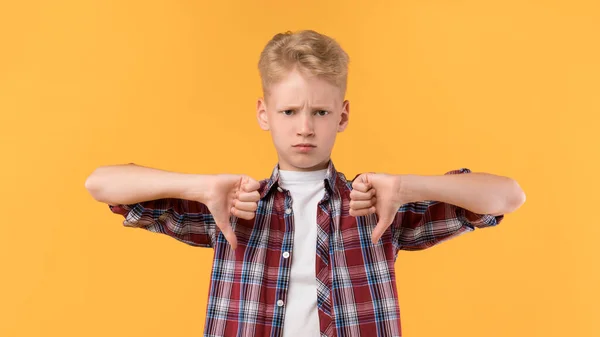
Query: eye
288	112
323	112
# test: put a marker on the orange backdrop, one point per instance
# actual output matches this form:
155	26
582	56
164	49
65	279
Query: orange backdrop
506	87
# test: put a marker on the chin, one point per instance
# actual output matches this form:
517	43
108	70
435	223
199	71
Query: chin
308	163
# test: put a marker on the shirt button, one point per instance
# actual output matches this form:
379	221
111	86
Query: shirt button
286	255
280	303
288	211
279	189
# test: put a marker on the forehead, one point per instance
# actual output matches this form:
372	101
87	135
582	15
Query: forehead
296	88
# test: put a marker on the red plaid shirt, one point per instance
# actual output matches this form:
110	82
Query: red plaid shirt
356	293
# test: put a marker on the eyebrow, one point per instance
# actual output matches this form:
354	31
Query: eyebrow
297	107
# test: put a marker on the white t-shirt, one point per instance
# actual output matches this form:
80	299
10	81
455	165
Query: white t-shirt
301	314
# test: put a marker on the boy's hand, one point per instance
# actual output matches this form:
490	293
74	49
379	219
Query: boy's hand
376	193
232	194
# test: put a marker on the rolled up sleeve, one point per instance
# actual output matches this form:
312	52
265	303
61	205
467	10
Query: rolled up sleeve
185	220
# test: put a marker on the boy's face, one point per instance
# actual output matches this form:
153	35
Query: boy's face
303	110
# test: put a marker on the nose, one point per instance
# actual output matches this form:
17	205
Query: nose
306	128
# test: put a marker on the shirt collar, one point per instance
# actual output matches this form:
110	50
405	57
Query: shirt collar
274	181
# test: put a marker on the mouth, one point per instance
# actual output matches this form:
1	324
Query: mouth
304	147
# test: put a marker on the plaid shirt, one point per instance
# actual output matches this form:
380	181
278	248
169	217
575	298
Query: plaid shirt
356	293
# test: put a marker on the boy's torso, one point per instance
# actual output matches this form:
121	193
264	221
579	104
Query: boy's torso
356	290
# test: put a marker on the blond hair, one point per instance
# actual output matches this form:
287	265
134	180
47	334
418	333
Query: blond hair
307	51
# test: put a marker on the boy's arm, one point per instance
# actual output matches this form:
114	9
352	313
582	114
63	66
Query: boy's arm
131	183
481	193
165	202
425	210
442	207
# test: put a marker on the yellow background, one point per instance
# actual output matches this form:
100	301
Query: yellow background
506	87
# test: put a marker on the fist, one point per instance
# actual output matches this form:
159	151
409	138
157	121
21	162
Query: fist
377	193
230	194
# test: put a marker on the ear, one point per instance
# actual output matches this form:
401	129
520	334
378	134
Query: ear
261	114
344	116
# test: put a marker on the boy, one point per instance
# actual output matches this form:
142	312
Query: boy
305	252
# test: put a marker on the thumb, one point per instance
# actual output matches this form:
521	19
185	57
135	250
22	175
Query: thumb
383	223
223	223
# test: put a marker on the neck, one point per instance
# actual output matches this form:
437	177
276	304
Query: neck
321	166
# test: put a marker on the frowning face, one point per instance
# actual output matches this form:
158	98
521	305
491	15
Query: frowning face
304	114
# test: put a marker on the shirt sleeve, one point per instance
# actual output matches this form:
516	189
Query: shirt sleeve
423	224
185	220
